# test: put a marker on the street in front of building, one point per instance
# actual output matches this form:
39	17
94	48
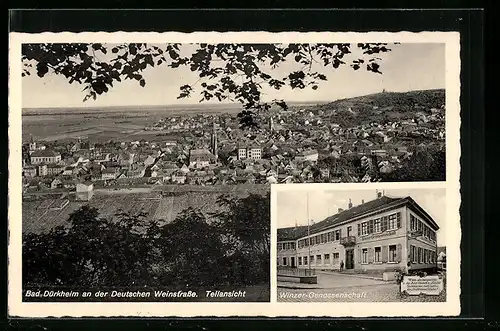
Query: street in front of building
339	287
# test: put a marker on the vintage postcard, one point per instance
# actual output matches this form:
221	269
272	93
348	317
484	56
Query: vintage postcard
191	171
340	243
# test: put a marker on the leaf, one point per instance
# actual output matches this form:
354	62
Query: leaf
142	82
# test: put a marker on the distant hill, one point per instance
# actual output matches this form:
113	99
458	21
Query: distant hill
384	106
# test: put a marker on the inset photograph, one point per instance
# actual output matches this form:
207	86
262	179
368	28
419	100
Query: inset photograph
367	245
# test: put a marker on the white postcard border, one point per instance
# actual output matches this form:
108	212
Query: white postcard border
449	308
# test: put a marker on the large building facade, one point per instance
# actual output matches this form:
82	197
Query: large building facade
385	234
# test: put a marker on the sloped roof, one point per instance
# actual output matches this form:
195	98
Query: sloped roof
292	233
354	212
45	153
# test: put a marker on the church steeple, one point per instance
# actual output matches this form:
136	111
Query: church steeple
32	144
213	142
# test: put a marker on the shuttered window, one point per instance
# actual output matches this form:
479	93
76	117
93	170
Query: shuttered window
385	254
371	255
327	259
392	253
384	223
378	254
364	255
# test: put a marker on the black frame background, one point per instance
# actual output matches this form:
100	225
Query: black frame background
469	22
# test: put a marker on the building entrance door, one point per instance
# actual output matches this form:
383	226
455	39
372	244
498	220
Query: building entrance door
349	259
292	261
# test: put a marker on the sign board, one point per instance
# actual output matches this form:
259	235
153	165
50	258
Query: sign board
378	235
415	285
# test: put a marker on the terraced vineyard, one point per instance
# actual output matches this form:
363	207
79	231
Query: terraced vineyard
38	217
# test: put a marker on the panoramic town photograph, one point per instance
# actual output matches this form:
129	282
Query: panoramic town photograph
150	165
358	245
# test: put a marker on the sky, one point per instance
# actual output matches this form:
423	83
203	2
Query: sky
407	67
292	205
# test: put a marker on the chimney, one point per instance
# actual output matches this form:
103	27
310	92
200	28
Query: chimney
379	194
350	204
341	210
362	201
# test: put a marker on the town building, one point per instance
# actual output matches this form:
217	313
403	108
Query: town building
309	155
42	169
45	156
110	173
252	152
34	146
29	171
54	169
84	191
200	158
385	234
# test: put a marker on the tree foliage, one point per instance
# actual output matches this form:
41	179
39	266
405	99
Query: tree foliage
132	250
235	72
421	166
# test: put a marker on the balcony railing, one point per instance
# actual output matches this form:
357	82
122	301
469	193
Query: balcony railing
348	241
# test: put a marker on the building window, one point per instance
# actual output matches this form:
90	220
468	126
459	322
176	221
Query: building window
292	245
278	262
392	253
327	259
318	259
392	222
420	257
284	261
335	257
312	259
413	254
378	253
364	228
370	226
305	260
323	239
330	236
337	235
300	260
364	255
280	246
376	225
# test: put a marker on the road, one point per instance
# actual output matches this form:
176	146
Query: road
347	288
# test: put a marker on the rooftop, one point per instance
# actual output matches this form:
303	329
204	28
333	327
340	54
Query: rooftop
45	153
352	213
195	152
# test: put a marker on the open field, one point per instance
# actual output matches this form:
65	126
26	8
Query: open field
39	217
105	123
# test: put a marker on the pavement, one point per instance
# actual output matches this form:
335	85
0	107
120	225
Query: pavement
339	287
329	280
